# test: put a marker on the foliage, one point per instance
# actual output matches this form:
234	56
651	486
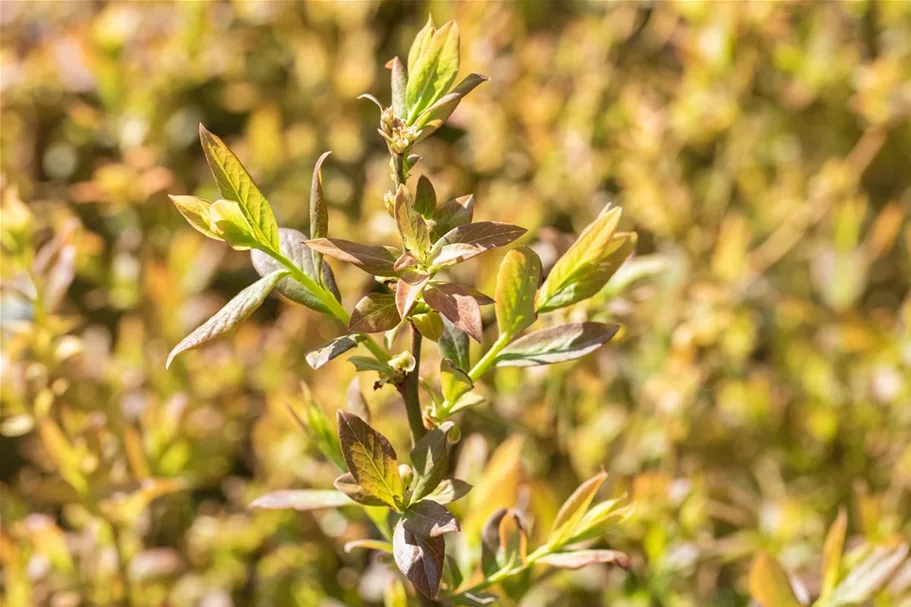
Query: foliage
754	389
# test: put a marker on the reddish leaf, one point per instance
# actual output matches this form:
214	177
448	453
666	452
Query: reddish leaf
459	305
427	518
420	559
374	313
379	261
581	558
467	241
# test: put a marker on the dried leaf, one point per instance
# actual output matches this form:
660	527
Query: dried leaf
332	348
556	344
420	559
235	311
427	519
371	459
517	281
376	260
374	313
302	499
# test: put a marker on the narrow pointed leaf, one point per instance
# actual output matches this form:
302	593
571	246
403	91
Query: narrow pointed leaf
235	184
769	583
302	499
573	509
436	115
832	551
458	305
371	459
412	227
374	313
421	43
368	544
556	344
425	198
235	311
228	221
467	241
399	83
517	282
332	348
583	558
420	559
434	70
319	213
376	260
196	212
452	214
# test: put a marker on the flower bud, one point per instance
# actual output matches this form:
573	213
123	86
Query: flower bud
406	473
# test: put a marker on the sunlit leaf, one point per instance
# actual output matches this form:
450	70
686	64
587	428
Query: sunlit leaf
458	304
227	220
433	71
420	559
407	291
430	460
517	281
374	313
573	509
347	485
769	583
235	311
301	499
368	544
412	227
556	344
467	241
449	490
454	382
293	247
376	260
196	212
319	213
436	115
370	458
583	558
334	347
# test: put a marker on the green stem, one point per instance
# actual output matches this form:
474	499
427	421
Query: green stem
409	389
330	302
481	367
501	575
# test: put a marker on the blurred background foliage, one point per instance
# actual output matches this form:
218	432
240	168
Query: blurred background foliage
761	150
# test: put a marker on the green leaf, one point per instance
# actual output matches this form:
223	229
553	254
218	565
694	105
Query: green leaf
420	559
235	184
317	429
831	553
430	460
769	583
429	519
436	115
319	213
556	344
332	348
371	459
421	43
368	544
573	509
294	248
228	221
870	575
600	517
583	558
399	85
412	227
430	324
376	260
454	345
347	485
235	311
517	281
582	258
366	363
449	490
196	212
434	70
458	304
513	548
425	198
303	499
470	240
454	382
374	313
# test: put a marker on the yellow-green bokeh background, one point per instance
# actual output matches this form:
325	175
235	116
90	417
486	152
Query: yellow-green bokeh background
761	150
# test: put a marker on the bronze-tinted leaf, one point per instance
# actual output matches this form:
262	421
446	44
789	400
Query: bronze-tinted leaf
453	214
467	241
436	115
319	213
425	197
332	348
573	509
454	382
427	518
457	304
490	542
399	83
513	547
302	499
347	485
412	227
556	344
370	459
407	291
420	559
430	460
376	260
374	313
454	345
449	490
582	558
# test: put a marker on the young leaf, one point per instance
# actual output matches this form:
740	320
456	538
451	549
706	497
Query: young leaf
371	459
196	212
470	240
316	427
399	83
517	282
235	184
395	594
430	460
407	291
368	544
430	324
453	381
421	43
412	227
490	542
332	348
302	499
436	115
458	305
573	509
226	219
425	198
449	490
420	559
319	214
347	485
556	344
374	313
581	259
870	575
235	311
366	363
452	214
434	70
405	262
769	583
582	558
513	547
294	248
429	519
597	520
379	261
831	553
454	345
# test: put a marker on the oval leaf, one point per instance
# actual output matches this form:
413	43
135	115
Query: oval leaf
374	313
458	304
335	347
294	248
420	559
370	458
467	241
427	519
347	485
556	344
517	282
376	260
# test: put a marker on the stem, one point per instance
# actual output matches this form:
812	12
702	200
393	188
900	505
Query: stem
409	389
501	575
481	367
399	161
331	303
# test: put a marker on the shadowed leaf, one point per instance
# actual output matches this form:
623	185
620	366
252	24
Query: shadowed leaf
425	198
427	518
454	345
319	214
556	344
420	559
453	214
374	313
430	459
467	241
329	350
